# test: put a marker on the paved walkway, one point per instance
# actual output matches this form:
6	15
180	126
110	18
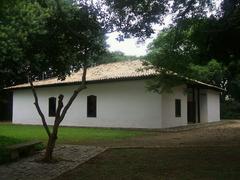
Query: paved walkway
29	169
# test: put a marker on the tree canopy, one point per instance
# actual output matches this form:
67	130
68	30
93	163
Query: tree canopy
37	37
55	37
190	46
19	22
115	56
136	18
178	50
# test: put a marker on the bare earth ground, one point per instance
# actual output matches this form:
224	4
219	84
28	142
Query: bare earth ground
204	151
225	133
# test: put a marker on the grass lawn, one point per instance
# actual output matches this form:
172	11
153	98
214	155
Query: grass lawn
12	134
164	163
66	134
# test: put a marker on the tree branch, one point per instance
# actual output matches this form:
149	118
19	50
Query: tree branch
75	93
189	5
39	109
83	84
60	106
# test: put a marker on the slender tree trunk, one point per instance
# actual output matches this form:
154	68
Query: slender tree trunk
39	109
48	157
60	114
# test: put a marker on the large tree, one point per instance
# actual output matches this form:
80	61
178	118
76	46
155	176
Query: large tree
19	21
136	18
55	37
200	32
176	50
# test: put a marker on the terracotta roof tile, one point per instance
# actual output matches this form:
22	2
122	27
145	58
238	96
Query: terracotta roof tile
111	71
117	70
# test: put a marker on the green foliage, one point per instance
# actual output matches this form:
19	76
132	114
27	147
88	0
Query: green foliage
205	49
6	141
37	37
175	55
116	56
213	72
19	22
230	109
39	147
200	33
136	18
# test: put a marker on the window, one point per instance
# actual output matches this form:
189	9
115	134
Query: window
52	106
178	107
91	106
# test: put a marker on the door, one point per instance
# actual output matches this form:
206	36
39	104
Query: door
191	108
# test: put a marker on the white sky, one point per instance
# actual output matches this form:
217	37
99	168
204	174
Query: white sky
130	46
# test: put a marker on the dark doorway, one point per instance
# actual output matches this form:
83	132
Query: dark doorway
6	106
191	105
191	108
92	106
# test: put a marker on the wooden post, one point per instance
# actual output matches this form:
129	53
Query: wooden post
198	104
194	104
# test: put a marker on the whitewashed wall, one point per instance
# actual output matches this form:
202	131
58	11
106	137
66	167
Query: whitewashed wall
209	105
125	104
213	106
168	107
119	104
203	106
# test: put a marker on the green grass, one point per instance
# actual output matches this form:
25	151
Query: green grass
4	142
66	134
13	134
163	163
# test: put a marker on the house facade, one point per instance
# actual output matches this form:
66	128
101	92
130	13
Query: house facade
116	97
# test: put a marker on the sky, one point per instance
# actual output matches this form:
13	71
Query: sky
128	46
131	47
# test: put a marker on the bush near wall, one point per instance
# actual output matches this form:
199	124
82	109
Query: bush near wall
230	110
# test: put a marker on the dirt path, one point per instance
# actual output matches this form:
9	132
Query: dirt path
226	133
209	151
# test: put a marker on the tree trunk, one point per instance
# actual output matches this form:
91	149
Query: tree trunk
60	114
49	149
48	157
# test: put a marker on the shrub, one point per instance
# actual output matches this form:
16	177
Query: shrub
230	110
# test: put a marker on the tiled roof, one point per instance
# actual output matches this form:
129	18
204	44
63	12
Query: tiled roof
112	71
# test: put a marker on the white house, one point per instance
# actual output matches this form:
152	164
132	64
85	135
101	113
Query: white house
116	96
